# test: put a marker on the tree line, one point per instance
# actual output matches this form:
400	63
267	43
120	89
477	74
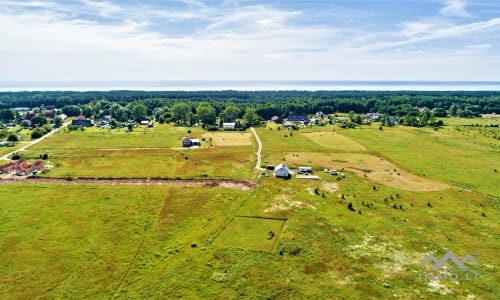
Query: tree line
209	107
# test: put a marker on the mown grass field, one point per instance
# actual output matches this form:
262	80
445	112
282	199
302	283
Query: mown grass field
162	242
146	152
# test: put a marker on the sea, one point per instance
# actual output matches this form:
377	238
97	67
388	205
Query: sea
249	85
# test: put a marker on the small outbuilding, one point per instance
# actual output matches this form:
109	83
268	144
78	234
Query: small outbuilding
189	142
305	170
229	126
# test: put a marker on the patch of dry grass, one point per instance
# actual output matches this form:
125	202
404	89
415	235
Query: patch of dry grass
335	141
369	166
227	139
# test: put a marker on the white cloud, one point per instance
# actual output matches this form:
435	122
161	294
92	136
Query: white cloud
245	42
428	32
455	8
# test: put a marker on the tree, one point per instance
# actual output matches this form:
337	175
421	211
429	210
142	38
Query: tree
13	138
25	123
38	120
251	118
230	113
87	111
37	133
180	112
453	109
72	110
7	115
139	112
206	113
58	121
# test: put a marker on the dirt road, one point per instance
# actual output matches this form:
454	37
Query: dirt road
259	150
31	143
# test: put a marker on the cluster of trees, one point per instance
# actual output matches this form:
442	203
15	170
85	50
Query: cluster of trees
40	131
269	103
210	108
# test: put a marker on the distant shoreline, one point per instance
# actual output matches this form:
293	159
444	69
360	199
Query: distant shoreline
249	85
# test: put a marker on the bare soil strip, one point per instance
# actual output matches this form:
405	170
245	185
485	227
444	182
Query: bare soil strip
239	184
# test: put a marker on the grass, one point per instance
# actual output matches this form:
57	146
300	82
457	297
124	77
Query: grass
156	153
163	242
71	241
335	142
372	167
229	139
462	157
250	233
161	136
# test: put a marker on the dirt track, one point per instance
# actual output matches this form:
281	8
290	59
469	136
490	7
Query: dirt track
239	184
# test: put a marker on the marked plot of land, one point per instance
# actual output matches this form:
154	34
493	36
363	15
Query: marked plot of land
224	139
251	233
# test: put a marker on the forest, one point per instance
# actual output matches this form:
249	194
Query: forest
413	108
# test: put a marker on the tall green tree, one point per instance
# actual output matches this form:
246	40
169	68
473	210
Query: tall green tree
206	113
180	112
230	113
139	111
251	118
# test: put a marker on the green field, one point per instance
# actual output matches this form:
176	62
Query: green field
362	236
145	152
250	233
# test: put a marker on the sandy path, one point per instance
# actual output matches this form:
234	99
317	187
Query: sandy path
6	156
259	150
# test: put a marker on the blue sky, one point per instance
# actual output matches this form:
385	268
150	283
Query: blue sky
250	40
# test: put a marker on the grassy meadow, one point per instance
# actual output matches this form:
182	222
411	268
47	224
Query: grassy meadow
146	152
362	236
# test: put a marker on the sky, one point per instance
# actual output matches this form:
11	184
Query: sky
437	40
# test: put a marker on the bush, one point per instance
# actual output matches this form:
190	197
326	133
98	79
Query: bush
16	156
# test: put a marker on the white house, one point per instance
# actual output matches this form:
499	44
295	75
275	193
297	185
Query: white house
282	171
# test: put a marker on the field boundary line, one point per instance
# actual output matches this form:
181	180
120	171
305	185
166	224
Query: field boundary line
130	266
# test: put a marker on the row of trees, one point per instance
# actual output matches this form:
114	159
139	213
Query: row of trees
269	103
211	108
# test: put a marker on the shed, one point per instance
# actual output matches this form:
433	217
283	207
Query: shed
229	126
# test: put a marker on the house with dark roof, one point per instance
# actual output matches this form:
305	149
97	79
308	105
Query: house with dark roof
82	121
301	119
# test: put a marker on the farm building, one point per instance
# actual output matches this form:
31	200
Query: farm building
282	171
189	142
82	121
301	119
229	126
305	170
275	119
287	124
